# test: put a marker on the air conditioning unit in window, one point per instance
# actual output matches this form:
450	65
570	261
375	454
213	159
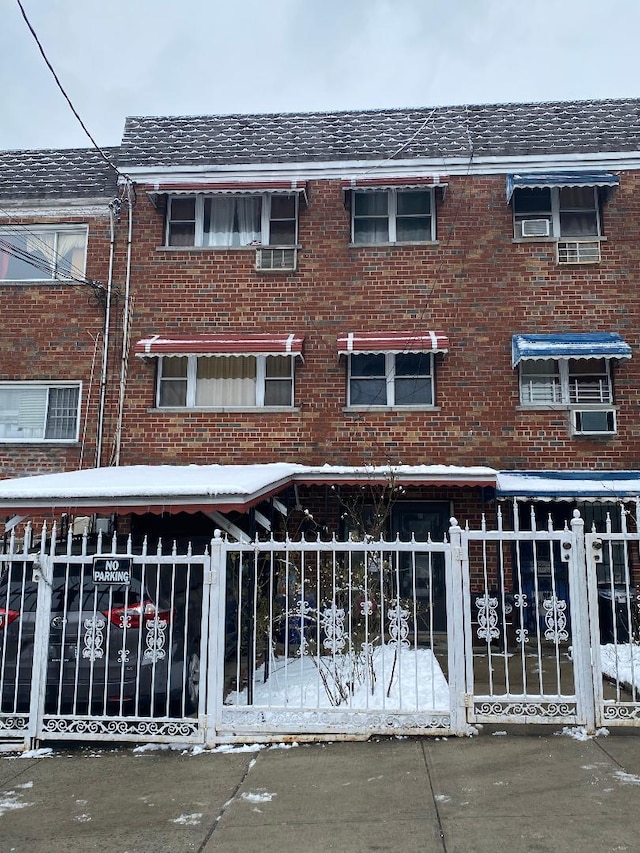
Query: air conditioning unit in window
276	258
579	251
593	421
535	227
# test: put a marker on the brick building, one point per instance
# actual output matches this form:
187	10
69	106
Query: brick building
446	294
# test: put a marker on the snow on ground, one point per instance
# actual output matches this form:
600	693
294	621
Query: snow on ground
411	681
9	801
45	752
257	798
621	663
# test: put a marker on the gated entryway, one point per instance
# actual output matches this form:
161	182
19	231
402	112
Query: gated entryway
292	638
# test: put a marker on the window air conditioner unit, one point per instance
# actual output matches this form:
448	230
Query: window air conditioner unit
579	251
276	258
535	227
593	421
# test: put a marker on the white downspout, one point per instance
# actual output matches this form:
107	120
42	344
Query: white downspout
125	326
114	208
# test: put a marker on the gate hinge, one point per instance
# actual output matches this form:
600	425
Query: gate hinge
458	553
203	721
210	576
468	700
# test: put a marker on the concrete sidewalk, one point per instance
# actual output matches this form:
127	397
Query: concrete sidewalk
513	792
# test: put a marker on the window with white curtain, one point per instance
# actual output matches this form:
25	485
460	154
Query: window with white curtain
32	253
570	212
234	381
32	411
233	220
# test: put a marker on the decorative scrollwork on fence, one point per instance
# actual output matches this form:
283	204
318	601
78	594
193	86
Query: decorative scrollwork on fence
555	618
155	639
487	617
93	639
398	626
333	626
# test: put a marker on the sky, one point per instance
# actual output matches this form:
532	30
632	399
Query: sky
117	58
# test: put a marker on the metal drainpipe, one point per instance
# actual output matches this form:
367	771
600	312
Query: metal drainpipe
125	326
105	342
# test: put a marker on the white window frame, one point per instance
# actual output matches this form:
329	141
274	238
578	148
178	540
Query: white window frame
34	231
199	235
192	375
390	380
553	216
49	386
392	201
566	391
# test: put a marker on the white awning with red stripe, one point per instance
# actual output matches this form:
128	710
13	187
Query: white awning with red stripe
396	342
213	345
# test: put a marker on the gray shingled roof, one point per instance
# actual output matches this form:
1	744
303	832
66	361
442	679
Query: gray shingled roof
492	130
71	173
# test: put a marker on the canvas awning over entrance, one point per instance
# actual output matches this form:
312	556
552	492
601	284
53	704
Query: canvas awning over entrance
196	488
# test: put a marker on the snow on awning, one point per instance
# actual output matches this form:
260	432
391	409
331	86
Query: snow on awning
405	183
204	488
397	342
568	485
593	345
220	345
543	180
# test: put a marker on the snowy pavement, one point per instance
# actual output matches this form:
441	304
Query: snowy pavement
550	790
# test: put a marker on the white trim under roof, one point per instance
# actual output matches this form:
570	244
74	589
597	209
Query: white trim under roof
346	169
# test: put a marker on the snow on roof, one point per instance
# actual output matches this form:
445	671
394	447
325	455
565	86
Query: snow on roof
214	486
568	485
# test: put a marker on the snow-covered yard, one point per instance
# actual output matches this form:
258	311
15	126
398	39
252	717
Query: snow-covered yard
621	663
411	680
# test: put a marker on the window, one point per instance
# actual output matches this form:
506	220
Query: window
30	253
559	212
34	412
225	381
390	379
392	216
565	382
232	220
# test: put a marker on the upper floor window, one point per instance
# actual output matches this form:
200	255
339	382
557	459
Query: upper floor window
557	212
392	216
232	220
390	379
239	381
565	381
34	253
37	412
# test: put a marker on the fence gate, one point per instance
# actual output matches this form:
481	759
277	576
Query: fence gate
526	625
334	637
102	646
614	603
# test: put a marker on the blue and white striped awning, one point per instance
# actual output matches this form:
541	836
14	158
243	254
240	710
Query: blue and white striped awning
571	345
542	180
576	485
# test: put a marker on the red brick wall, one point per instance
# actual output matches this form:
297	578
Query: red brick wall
477	285
53	331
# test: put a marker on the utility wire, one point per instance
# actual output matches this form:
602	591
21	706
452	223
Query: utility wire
66	97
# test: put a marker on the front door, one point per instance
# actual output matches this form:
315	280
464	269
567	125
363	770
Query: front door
424	520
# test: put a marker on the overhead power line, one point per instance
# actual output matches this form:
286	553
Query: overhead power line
66	97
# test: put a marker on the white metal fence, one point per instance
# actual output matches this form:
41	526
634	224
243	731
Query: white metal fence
281	639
